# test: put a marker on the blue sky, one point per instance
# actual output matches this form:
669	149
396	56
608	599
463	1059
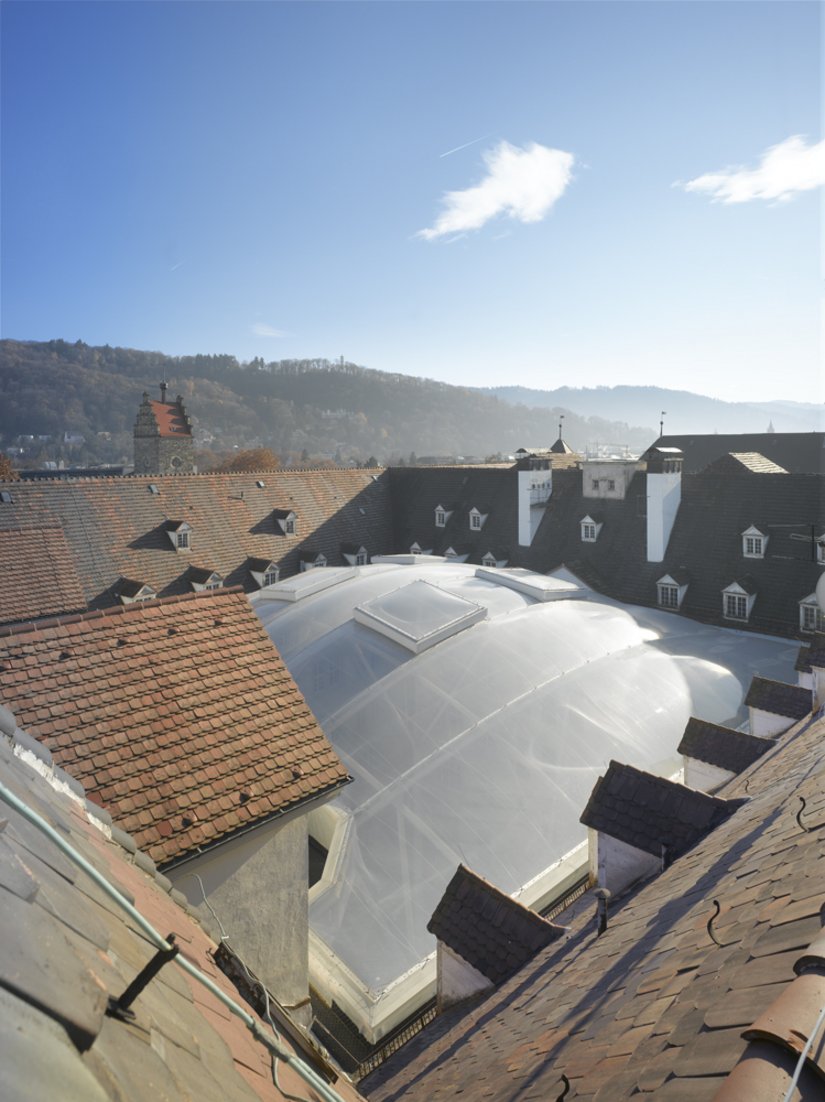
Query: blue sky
274	179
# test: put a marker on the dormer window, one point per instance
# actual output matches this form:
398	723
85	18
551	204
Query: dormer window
820	549
287	521
442	515
754	543
312	561
361	558
131	591
201	579
670	590
590	530
264	572
180	534
737	601
811	616
354	555
477	519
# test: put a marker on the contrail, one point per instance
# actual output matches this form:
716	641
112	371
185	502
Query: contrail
458	147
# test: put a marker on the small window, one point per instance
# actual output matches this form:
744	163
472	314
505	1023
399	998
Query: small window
182	540
214	583
736	606
753	547
475	521
289	526
361	558
271	576
488	560
260	484
589	530
668	596
811	618
440	518
594	483
611	484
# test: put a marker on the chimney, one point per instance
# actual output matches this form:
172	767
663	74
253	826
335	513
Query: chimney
664	495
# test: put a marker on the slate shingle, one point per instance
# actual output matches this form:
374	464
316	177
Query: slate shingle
722	746
778	698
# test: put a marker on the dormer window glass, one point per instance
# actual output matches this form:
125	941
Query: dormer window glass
594	483
475	520
361	558
289	526
590	530
440	518
488	560
668	595
811	616
182	540
271	576
736	606
754	543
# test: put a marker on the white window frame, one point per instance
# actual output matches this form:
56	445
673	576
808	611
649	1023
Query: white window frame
668	595
271	577
289	526
754	543
361	557
811	616
441	518
475	522
182	540
489	561
589	529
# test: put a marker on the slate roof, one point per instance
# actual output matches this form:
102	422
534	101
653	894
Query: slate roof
778	698
816	650
116	527
658	1004
803	660
649	812
721	746
170	418
37	576
178	715
491	931
66	947
416	491
797	452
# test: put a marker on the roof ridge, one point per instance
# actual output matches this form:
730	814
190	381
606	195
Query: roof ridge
112	611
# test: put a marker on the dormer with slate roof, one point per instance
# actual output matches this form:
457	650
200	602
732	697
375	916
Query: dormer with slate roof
773	706
179	533
130	591
484	937
417	549
201	578
495	557
163	437
477	516
671	589
738	599
264	571
714	755
754	543
310	559
442	514
811	616
590	527
458	552
640	823
354	554
286	521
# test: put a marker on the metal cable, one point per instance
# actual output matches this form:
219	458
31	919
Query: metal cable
302	1069
804	1055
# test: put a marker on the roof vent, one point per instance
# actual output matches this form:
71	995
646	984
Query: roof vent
6	497
260	484
153	488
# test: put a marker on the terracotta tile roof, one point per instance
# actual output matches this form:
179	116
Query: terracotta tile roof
722	746
170	418
491	931
178	715
37	576
116	528
659	1003
778	698
66	947
649	812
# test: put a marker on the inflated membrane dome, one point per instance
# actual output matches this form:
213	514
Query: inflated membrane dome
475	709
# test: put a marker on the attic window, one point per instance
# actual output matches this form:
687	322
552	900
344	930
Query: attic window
668	595
182	540
611	484
754	543
271	576
589	530
440	518
737	602
260	484
811	616
361	557
415	549
477	519
594	483
205	579
489	560
310	564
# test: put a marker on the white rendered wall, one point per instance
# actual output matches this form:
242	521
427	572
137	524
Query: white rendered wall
705	777
664	495
258	888
616	865
457	979
818	679
805	680
767	724
530	512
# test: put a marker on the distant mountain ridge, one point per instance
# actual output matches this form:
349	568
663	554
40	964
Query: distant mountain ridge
685	411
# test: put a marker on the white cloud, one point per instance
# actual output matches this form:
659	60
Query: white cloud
785	169
261	330
521	183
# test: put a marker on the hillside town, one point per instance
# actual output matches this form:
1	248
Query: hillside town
504	775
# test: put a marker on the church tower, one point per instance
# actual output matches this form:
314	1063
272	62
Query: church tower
163	437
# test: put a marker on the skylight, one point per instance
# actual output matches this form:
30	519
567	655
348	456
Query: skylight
537	586
419	615
312	581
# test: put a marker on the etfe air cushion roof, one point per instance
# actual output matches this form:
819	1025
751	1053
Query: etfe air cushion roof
483	750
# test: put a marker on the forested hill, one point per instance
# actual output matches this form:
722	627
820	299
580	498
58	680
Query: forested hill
309	408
